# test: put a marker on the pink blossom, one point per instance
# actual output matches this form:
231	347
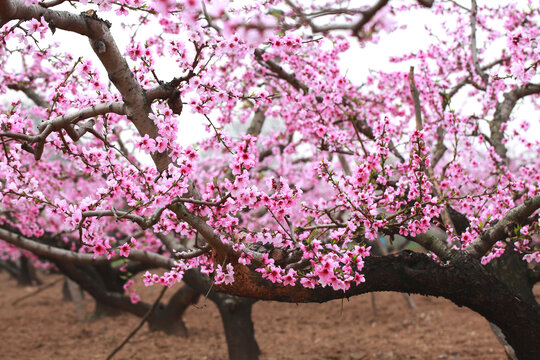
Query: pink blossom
124	250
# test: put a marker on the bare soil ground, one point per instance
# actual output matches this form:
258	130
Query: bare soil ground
45	327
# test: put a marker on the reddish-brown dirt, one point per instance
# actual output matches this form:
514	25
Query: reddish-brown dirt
45	327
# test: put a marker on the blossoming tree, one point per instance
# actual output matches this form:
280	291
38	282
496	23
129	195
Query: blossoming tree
93	170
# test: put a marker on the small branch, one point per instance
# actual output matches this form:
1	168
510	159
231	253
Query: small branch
418	115
32	95
448	96
118	215
84	113
290	234
356	28
203	228
474	49
141	323
66	122
459	5
440	148
368	15
320	226
416	99
280	72
426	3
37	291
257	123
192	253
202	202
178	251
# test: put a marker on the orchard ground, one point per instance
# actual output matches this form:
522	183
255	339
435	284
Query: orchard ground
44	327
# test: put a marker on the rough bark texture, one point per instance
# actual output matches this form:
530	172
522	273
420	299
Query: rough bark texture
108	294
513	271
462	280
239	332
28	274
235	315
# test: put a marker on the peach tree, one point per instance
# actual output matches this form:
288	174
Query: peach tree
303	167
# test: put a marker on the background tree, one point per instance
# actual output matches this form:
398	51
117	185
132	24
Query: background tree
286	211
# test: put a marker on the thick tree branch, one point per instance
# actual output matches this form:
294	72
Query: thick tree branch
462	280
13	9
500	231
432	243
71	256
503	110
81	275
534	274
104	45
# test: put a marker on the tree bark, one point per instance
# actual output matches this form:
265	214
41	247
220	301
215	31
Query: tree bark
513	271
463	280
235	314
169	318
238	325
27	273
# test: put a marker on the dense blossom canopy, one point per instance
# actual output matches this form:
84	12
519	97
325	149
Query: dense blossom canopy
303	168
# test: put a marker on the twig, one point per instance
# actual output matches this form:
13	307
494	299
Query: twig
141	323
447	221
50	3
37	291
459	5
416	99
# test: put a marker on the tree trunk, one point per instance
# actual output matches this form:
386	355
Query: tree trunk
27	273
169	318
76	295
235	314
238	325
10	267
513	271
